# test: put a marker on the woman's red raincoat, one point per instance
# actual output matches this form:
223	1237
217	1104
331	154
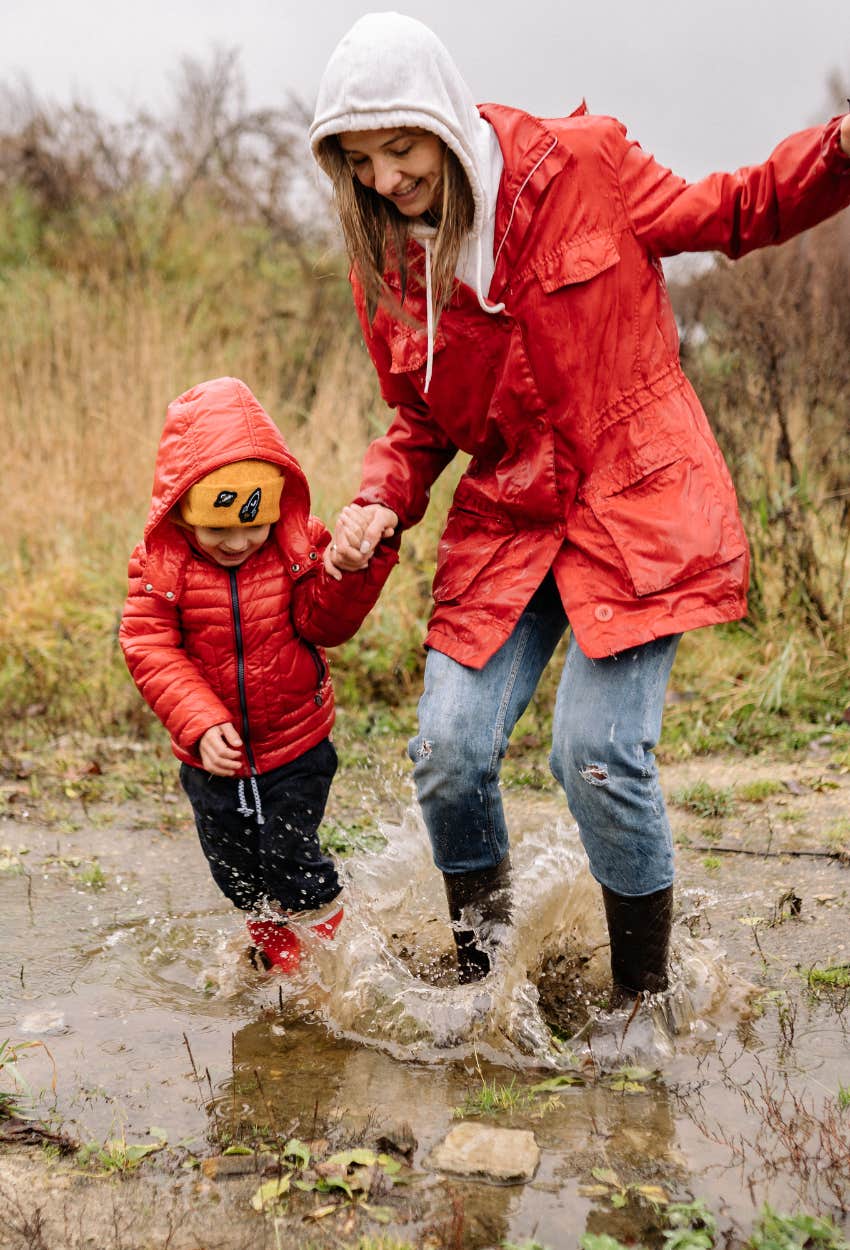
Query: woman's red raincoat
590	451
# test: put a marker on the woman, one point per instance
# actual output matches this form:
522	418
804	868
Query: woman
507	274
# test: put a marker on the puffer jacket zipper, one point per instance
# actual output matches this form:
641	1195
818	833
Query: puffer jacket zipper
240	670
321	671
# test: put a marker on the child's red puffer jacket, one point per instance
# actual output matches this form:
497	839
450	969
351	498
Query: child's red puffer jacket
207	644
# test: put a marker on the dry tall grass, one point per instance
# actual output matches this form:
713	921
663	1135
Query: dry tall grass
126	278
90	366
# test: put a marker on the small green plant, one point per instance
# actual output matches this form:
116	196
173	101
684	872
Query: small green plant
523	1245
791	1232
758	791
12	1106
711	863
843	1096
705	801
833	977
491	1098
608	1185
93	876
690	1226
349	1174
10	862
117	1156
838	835
15	1103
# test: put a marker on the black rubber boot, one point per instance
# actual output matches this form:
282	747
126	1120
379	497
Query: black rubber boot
486	898
639	929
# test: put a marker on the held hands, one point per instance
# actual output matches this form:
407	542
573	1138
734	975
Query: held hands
220	750
358	532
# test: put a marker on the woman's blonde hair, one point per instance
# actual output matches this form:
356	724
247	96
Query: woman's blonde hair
372	225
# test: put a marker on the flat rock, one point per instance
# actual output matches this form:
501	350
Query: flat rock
500	1154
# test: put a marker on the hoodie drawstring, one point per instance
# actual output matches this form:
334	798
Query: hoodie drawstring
525	183
482	302
429	315
243	809
486	307
429	301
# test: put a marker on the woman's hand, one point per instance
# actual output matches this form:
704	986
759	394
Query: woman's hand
220	750
358	532
845	135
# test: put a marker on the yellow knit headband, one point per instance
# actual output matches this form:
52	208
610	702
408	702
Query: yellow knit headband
244	493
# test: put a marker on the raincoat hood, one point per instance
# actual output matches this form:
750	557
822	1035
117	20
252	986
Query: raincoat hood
214	424
391	70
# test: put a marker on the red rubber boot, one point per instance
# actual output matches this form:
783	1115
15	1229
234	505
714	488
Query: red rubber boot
279	942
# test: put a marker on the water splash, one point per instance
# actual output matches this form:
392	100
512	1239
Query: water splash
387	980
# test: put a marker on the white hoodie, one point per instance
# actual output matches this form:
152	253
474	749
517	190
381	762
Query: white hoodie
390	70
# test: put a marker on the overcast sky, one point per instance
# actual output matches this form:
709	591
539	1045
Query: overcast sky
703	85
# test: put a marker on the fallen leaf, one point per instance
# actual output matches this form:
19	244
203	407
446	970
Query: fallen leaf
557	1082
270	1192
608	1176
653	1192
321	1212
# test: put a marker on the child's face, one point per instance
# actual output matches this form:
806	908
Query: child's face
231	545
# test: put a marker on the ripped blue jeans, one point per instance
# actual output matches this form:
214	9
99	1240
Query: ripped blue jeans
606	723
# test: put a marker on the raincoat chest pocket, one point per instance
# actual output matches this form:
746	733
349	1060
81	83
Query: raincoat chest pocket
577	260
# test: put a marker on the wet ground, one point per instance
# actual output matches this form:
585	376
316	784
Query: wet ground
160	1050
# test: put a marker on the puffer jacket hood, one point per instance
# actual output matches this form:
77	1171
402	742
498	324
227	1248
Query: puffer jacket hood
213	424
390	70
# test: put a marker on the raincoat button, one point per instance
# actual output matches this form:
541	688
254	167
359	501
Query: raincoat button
314	555
148	586
295	567
603	612
169	594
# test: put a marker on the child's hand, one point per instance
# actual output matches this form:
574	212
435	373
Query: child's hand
358	532
220	750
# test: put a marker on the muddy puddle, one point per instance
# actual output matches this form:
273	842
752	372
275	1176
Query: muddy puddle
122	960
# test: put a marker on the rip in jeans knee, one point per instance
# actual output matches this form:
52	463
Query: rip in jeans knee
425	749
595	774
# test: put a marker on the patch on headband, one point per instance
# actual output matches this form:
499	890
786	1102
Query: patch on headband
250	507
224	498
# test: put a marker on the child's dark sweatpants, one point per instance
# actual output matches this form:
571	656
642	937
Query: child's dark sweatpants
280	858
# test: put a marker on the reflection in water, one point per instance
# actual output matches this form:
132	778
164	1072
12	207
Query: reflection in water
130	978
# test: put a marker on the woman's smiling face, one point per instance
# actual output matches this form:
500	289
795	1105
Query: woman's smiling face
403	164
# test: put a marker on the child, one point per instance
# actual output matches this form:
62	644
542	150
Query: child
229	605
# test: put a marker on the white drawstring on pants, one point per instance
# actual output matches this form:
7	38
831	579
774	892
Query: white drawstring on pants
243	809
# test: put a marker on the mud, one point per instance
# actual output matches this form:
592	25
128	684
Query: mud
129	971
